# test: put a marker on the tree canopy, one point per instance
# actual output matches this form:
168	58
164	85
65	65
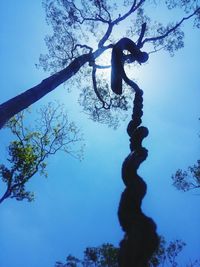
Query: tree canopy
83	32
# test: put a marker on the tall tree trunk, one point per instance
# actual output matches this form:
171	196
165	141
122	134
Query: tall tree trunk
22	101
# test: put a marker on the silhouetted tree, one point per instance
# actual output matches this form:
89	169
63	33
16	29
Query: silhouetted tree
106	255
187	180
28	153
82	32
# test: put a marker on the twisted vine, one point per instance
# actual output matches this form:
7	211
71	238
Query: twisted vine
140	239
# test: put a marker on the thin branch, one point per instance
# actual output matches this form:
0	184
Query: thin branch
95	86
83	46
127	14
105	9
19	120
155	50
22	123
5	195
170	30
106	35
8	190
47	124
99	18
118	20
102	67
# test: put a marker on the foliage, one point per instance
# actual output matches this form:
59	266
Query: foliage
106	256
167	253
102	256
187	180
33	145
91	27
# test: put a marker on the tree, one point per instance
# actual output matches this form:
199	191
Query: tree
28	153
70	48
106	256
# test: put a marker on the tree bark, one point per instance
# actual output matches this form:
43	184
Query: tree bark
24	100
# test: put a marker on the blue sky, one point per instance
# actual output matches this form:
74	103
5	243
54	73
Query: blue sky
76	206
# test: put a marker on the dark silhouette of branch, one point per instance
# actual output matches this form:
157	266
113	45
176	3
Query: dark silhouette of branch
168	32
127	14
118	20
143	29
187	180
95	86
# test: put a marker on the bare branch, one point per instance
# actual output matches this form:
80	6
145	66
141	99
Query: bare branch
97	17
84	46
95	86
118	20
106	35
156	50
102	67
127	14
108	13
170	30
143	29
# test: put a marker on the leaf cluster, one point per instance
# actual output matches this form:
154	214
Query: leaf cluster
102	256
167	253
106	255
27	154
187	180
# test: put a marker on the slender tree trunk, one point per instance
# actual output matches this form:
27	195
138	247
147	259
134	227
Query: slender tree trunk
22	101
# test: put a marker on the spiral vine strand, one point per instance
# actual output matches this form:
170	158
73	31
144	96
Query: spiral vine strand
140	239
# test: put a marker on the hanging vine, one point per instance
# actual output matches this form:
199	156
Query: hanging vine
140	239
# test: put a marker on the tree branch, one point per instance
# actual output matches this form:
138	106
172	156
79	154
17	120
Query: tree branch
13	106
143	29
118	20
106	35
127	14
102	67
95	87
84	46
8	190
170	30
